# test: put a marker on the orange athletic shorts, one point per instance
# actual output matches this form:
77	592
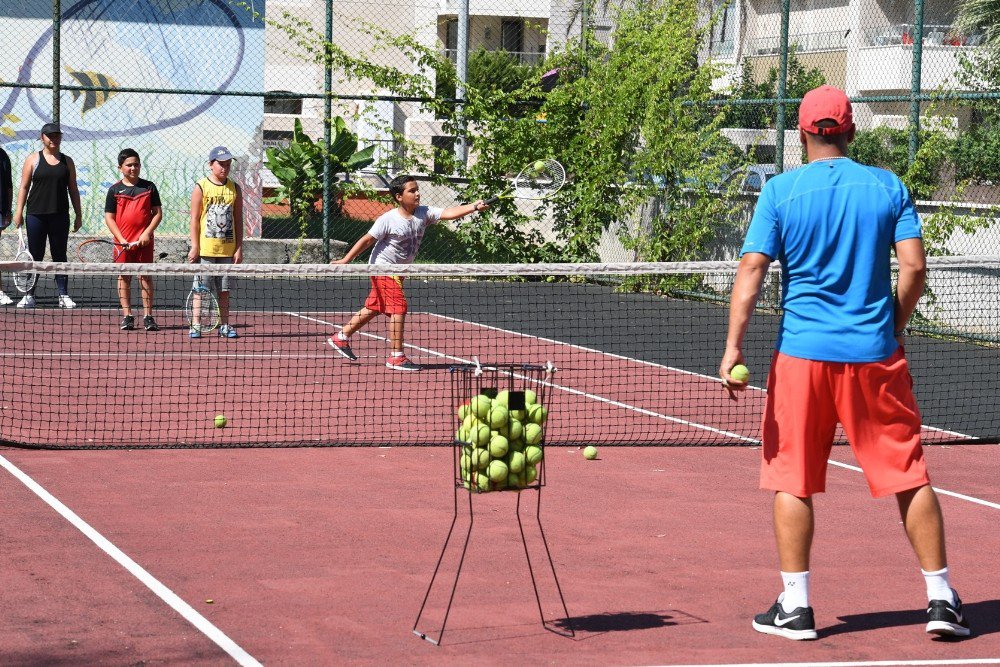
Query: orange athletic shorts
387	295
873	401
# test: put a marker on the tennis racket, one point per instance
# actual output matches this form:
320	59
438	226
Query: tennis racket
539	180
201	310
24	281
100	251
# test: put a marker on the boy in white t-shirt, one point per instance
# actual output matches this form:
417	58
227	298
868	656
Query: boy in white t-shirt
397	235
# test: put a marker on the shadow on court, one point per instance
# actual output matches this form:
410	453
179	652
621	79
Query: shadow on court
625	621
984	619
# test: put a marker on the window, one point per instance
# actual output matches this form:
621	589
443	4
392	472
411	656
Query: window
444	147
512	35
282	105
451	35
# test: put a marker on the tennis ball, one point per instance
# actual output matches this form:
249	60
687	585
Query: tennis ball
220	421
480	458
539	166
465	461
498	416
590	453
516	462
740	373
537	414
515	430
497	471
463	411
481	404
499	446
515	480
502	398
480	435
482	482
462	434
533	453
469	422
530	474
519	415
529	397
532	434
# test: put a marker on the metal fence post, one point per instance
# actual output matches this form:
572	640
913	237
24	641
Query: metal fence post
779	125
462	69
56	56
327	113
918	54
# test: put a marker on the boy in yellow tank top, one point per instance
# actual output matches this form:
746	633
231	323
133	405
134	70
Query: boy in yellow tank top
217	230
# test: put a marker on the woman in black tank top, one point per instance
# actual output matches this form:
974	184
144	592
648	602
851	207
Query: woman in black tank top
48	186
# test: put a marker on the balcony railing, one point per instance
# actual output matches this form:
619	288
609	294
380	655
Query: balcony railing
522	57
934	35
802	43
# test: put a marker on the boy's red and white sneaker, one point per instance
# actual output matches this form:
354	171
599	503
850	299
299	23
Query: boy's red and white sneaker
342	346
401	363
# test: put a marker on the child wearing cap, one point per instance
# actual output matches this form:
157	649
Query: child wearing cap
217	230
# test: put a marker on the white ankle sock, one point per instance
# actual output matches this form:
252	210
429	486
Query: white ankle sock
796	590
397	354
341	336
938	587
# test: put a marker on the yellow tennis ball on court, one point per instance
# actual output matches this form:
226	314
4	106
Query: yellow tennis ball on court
220	421
590	452
740	373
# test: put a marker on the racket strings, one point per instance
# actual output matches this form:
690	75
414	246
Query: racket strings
539	180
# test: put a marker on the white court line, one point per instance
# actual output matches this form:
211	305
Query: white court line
713	378
626	406
943	492
173	601
860	663
568	390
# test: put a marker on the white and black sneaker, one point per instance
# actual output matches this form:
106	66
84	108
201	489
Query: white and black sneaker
796	624
946	619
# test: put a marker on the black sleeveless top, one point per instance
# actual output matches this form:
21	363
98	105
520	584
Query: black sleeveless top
49	191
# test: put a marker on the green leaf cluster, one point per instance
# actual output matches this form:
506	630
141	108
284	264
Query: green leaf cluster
299	169
748	89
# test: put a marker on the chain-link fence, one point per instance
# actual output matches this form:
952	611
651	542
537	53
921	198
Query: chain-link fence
427	85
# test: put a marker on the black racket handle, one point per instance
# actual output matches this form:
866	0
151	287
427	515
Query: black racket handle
492	200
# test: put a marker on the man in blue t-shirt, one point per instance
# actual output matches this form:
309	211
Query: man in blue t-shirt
839	356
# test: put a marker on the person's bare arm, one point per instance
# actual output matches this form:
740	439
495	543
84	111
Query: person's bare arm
911	281
362	244
74	195
195	226
746	291
238	225
22	192
455	212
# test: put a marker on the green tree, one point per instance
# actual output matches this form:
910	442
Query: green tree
763	116
981	16
299	169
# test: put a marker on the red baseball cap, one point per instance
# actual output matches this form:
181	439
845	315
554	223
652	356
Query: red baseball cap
826	103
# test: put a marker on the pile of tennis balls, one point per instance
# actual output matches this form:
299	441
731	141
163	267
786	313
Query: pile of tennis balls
503	447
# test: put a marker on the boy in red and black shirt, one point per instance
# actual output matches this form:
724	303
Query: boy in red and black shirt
132	210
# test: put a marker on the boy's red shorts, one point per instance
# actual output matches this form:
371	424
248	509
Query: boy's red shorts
873	401
137	255
387	295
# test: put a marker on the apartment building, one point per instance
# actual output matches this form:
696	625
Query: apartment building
863	46
518	27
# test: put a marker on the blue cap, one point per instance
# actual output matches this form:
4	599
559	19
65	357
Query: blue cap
219	153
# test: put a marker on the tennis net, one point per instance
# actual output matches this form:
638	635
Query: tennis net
635	347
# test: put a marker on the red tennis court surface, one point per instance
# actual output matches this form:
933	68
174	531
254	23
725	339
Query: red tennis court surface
280	383
322	556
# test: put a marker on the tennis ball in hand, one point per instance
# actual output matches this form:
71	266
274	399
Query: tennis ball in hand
590	453
740	373
220	421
